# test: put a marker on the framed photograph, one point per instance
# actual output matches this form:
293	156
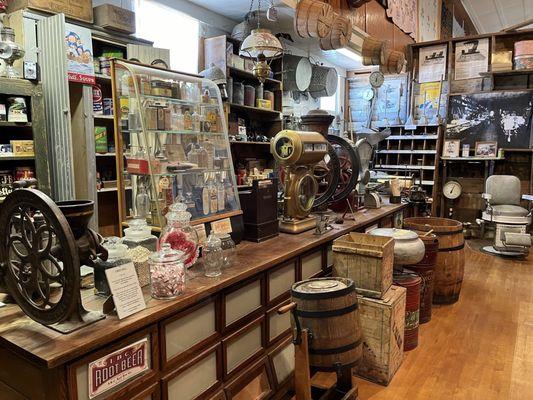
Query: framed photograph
451	148
486	149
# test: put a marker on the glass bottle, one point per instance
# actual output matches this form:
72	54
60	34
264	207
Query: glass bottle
213	196
210	152
180	234
221	194
213	256
142	202
196	121
98	181
192	156
203	157
231	203
117	255
228	249
191	204
167	273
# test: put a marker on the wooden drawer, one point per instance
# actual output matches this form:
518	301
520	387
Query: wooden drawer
243	346
153	392
282	362
312	264
97	372
254	383
219	396
188	332
197	379
277	326
280	280
242	302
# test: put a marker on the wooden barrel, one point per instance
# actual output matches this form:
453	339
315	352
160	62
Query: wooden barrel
450	266
328	308
313	18
339	36
426	269
394	62
300	18
353	4
412	282
373	51
297	73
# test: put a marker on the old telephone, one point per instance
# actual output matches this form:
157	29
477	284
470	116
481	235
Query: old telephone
298	153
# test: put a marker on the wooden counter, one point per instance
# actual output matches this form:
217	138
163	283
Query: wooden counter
226	325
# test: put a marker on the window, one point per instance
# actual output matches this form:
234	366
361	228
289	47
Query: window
333	103
170	29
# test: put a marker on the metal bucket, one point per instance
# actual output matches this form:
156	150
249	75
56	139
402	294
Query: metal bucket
297	73
324	81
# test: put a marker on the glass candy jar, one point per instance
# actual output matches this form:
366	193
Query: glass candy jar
213	256
141	243
118	255
167	273
180	234
228	249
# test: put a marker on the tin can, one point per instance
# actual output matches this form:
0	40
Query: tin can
96	65
98	107
6	177
108	106
105	66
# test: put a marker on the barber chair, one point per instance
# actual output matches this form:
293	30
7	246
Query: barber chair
503	209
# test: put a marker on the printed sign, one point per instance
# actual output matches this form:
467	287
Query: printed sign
221	226
79	48
118	367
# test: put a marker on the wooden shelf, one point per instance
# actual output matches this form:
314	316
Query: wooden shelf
507	72
111	117
101	77
472	158
256	110
414	137
405	167
106	154
111	189
239	73
15	124
14	158
406	151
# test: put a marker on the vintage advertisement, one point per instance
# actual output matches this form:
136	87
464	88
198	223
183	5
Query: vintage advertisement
427	101
79	48
501	117
471	58
428	20
116	368
404	15
432	63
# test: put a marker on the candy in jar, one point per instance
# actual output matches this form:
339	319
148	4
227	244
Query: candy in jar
167	273
180	234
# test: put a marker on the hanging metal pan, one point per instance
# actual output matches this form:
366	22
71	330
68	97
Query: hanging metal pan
297	73
324	81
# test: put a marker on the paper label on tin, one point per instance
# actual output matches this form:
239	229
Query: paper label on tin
222	226
118	367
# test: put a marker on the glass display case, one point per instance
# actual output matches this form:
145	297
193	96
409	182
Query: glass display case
171	144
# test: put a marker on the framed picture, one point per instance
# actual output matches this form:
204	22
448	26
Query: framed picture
451	148
486	149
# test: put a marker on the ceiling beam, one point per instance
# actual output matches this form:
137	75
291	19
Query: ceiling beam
473	16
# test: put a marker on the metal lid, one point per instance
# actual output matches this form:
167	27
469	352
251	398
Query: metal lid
322	288
397	234
406	278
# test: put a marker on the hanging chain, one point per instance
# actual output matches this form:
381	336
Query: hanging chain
249	15
258	12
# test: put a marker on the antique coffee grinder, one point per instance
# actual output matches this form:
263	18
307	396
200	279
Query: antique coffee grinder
43	244
298	153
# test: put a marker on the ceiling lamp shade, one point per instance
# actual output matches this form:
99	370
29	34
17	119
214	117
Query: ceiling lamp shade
261	43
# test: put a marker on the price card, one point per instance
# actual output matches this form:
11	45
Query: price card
126	290
202	234
222	226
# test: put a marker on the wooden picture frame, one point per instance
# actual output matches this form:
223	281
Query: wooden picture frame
487	149
451	148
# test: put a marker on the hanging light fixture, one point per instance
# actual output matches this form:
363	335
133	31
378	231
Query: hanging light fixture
262	47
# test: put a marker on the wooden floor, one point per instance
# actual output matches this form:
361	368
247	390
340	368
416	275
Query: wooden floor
480	348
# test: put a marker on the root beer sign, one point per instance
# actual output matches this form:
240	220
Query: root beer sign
115	368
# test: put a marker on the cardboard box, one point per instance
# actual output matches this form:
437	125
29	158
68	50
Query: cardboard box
81	10
115	18
100	139
267	104
382	325
22	148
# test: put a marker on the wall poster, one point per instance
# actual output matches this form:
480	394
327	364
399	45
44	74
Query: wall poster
404	15
503	117
432	63
427	100
471	58
428	20
79	48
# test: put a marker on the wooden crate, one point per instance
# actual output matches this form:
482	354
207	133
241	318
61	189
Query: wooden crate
81	10
382	323
115	18
367	260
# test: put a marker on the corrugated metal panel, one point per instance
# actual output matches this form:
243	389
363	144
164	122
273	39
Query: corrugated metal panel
51	33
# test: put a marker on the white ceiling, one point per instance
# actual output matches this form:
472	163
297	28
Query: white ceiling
234	9
494	15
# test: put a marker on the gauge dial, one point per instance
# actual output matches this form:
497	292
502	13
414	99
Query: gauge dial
368	94
452	190
376	79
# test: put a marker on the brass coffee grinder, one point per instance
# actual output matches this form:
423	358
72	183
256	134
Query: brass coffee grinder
298	153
